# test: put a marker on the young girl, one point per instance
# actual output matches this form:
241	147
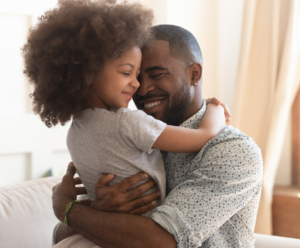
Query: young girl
83	59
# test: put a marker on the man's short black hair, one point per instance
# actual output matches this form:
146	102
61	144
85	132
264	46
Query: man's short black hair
183	43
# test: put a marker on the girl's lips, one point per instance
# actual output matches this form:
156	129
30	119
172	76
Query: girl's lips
128	95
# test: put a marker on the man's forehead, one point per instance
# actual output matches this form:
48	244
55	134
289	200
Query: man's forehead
158	52
159	56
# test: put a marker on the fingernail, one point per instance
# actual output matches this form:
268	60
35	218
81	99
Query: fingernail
153	203
146	175
158	193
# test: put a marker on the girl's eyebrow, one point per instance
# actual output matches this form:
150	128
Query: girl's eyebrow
127	64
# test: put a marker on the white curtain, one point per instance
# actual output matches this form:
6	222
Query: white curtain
267	82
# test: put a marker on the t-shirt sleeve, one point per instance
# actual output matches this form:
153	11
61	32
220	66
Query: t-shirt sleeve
139	129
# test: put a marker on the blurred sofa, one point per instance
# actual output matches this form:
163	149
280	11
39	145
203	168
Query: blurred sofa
27	218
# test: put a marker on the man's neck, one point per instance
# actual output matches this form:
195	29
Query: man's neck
192	109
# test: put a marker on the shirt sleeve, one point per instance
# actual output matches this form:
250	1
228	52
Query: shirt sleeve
220	183
140	130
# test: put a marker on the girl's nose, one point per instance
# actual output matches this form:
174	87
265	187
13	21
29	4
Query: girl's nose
135	83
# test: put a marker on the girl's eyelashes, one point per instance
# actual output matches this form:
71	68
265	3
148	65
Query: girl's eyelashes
128	74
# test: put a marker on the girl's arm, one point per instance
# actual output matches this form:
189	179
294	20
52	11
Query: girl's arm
180	139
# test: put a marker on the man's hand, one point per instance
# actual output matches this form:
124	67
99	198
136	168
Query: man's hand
66	192
109	229
224	105
118	198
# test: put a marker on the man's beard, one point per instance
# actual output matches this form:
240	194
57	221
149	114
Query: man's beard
180	101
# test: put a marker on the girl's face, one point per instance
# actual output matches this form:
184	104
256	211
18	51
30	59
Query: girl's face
118	81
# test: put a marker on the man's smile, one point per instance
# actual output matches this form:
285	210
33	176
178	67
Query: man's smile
151	104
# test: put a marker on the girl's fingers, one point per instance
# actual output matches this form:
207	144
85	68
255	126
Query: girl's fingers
226	111
213	101
225	107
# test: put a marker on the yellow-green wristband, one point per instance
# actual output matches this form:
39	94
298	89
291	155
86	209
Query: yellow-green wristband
69	206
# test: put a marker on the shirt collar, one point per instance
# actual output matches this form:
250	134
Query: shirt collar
194	121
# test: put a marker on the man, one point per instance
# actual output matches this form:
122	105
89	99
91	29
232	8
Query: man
212	196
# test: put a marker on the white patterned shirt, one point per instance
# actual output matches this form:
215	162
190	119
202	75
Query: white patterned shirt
213	196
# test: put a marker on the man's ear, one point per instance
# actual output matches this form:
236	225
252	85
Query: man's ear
195	73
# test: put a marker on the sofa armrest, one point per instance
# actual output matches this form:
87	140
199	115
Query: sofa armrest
268	241
26	214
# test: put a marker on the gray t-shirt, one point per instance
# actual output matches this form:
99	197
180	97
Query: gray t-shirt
118	142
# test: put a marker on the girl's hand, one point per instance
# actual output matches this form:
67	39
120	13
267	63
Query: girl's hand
225	107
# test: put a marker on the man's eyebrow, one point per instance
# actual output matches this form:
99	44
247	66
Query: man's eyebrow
154	68
127	64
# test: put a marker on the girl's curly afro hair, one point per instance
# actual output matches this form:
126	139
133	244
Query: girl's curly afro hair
67	48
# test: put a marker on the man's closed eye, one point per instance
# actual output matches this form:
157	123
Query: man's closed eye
156	76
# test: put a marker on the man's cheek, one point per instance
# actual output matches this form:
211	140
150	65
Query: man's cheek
136	103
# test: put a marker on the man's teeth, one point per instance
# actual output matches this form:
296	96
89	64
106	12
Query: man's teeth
151	104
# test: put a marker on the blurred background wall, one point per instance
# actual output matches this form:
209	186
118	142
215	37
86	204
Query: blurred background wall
28	149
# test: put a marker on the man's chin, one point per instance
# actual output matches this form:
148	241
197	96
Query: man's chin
156	115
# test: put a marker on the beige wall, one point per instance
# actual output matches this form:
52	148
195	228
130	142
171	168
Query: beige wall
28	149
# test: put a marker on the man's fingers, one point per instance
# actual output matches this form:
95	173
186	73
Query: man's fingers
81	190
77	180
103	180
141	203
86	202
71	170
144	209
133	180
140	190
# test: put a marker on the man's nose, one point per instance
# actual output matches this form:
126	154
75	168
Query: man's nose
145	87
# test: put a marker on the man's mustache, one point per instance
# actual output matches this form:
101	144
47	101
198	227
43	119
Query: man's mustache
147	96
